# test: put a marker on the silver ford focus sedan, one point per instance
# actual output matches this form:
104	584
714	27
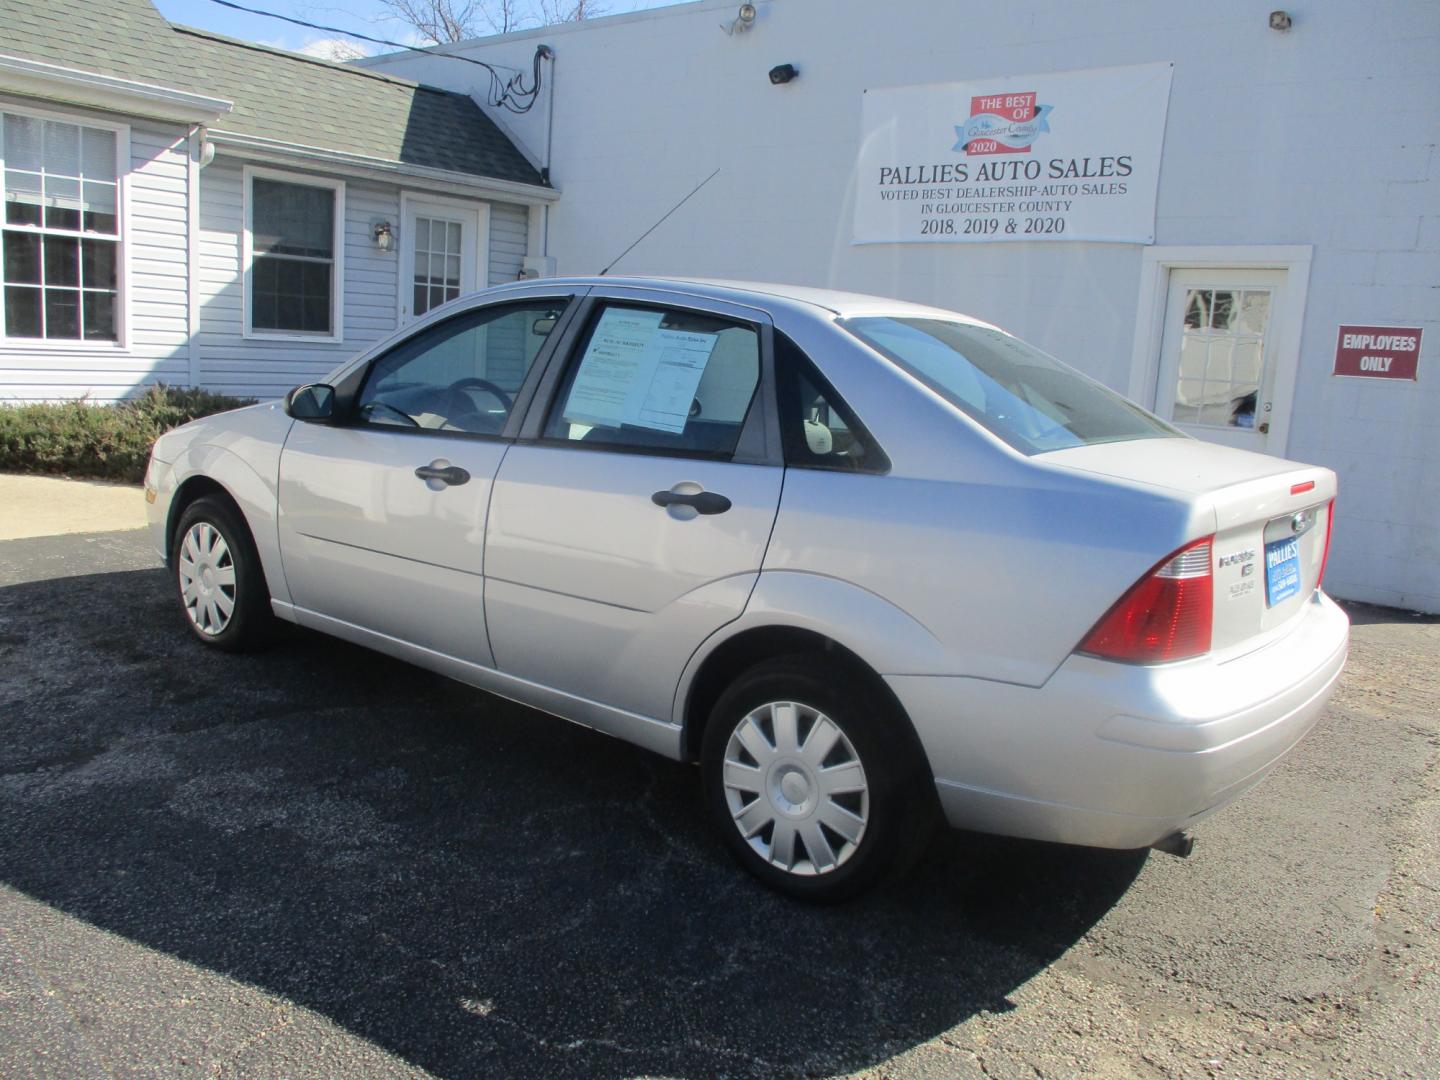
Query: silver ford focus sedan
869	563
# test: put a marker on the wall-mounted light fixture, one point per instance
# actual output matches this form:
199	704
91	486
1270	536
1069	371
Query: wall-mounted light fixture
744	19
1280	20
781	74
384	236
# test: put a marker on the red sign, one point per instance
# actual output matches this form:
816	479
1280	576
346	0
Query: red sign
1378	352
1001	110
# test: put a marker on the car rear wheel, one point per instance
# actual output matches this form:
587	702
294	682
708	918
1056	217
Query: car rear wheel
218	578
812	781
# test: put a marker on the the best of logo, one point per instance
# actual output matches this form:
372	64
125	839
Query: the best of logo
1002	124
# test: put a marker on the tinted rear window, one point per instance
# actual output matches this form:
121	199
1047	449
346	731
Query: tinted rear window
1029	399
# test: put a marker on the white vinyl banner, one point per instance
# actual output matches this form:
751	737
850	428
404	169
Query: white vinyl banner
1073	155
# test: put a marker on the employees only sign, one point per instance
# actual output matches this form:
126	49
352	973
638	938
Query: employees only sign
1378	352
1067	156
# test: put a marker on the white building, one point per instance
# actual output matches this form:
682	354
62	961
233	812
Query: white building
1298	191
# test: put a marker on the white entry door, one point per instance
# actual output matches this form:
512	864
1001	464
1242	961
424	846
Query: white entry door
1220	358
440	244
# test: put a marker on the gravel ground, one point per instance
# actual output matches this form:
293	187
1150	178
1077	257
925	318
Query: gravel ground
320	862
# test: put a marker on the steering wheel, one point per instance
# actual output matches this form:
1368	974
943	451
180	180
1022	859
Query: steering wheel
474	382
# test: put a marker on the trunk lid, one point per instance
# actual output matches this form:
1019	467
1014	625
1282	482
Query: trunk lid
1271	519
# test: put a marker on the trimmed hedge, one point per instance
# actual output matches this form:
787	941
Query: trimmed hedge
105	442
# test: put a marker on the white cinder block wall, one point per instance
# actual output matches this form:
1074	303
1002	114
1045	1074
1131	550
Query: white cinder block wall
1323	136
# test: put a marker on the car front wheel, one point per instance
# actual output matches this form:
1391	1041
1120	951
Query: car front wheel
218	578
812	783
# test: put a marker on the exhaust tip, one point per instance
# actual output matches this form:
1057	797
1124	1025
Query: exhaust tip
1180	844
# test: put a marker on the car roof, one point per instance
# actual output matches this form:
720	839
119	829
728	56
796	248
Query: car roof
766	294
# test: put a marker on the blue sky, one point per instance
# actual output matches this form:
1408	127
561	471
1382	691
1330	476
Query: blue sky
366	16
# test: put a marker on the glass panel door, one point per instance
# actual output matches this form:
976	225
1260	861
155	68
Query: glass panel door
1222	357
439	243
1218	356
435	275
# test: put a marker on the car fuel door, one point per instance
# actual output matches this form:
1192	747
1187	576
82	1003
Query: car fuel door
631	519
383	511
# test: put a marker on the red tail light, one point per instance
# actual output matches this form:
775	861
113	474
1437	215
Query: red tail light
1167	614
1325	554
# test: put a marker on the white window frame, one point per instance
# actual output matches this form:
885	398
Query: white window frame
247	256
1287	319
121	344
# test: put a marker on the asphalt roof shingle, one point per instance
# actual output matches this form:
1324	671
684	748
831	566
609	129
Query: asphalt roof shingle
278	95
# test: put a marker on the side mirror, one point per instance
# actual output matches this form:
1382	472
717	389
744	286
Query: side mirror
313	401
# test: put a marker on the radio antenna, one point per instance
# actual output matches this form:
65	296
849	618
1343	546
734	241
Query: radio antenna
657	224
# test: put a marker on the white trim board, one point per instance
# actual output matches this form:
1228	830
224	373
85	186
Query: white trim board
37	79
394	172
194	147
1289	320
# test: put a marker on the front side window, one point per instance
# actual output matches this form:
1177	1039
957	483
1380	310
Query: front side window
293	245
659	379
1015	391
462	375
61	230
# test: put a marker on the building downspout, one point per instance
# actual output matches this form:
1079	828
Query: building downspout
537	262
549	142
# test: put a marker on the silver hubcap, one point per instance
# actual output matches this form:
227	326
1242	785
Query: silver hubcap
207	578
796	788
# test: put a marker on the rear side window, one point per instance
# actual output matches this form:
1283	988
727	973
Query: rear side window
659	379
1029	399
818	428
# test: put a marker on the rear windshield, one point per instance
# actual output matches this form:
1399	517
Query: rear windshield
1029	399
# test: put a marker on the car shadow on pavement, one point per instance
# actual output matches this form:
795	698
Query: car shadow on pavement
470	885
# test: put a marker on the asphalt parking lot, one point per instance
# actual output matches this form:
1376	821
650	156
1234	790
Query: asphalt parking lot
321	862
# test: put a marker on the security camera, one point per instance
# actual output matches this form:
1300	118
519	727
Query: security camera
1279	20
782	73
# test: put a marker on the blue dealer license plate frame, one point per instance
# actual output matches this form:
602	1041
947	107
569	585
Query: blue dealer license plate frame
1282	570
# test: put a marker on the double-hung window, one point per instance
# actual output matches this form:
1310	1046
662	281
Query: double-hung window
294	236
61	266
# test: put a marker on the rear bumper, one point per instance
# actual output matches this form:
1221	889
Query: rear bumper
1118	756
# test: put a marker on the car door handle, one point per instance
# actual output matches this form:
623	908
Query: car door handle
704	502
448	474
